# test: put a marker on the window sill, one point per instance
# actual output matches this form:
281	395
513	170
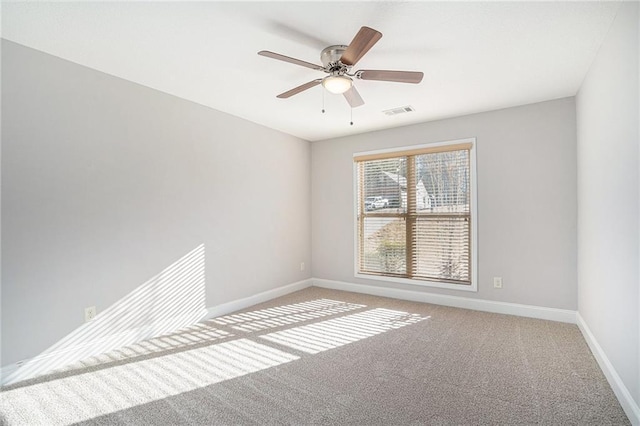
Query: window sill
460	287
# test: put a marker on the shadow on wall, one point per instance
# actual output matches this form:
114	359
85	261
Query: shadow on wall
172	299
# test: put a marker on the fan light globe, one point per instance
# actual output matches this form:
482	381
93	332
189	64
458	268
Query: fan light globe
337	84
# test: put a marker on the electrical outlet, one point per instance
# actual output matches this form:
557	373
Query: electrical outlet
89	313
302	266
497	282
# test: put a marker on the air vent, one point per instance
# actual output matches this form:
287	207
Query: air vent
401	110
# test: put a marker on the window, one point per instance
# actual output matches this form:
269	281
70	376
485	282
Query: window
415	215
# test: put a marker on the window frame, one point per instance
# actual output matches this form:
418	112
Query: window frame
473	212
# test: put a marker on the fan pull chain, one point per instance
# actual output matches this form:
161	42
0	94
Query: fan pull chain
351	123
322	100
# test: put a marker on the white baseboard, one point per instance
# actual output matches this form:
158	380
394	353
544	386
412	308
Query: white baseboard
630	407
49	361
237	305
94	341
562	315
552	314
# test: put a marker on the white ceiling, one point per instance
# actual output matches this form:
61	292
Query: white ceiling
475	56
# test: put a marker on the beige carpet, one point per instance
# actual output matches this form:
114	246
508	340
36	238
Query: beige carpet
319	356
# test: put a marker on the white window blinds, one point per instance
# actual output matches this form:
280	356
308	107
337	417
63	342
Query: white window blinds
414	214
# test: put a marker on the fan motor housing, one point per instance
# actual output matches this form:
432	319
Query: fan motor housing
332	54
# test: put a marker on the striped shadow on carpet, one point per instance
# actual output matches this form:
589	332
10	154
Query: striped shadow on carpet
322	356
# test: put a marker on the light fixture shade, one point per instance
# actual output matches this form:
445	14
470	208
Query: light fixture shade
337	84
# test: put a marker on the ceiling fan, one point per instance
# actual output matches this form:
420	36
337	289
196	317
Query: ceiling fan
338	60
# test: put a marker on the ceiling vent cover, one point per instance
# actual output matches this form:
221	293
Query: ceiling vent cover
401	110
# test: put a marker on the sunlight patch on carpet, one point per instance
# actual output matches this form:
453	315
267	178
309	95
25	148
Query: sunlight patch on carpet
285	315
88	395
333	333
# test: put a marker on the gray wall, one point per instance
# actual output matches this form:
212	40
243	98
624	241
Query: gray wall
608	188
526	166
106	184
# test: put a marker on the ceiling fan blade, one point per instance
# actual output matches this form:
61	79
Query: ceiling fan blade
361	43
290	60
299	89
353	97
414	77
